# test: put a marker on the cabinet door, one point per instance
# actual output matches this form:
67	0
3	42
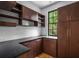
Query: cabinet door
7	5
36	47
74	39
75	11
49	46
27	13
64	13
63	42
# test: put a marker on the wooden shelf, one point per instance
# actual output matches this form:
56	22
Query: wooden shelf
24	14
7	16
16	10
41	18
7	23
29	20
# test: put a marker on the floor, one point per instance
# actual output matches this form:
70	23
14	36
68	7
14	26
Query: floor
44	55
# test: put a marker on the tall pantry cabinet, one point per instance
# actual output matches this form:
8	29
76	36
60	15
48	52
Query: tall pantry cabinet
68	31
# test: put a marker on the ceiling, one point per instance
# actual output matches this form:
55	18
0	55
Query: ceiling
43	4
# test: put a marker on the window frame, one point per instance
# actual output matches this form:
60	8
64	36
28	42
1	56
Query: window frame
51	23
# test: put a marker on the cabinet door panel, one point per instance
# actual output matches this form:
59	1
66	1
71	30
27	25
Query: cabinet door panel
64	13
74	39
75	11
27	13
49	46
63	42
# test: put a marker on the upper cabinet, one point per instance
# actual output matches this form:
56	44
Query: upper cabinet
27	13
30	15
7	5
75	11
69	12
64	13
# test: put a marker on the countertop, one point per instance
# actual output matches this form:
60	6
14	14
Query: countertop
13	48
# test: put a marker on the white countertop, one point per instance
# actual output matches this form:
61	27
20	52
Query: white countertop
16	37
52	37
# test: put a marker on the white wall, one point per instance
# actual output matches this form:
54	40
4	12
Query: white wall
30	5
12	33
50	8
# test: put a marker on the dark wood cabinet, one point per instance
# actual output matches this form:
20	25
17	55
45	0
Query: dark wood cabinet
63	42
27	13
49	46
7	5
22	12
75	11
68	35
64	13
74	39
35	48
7	24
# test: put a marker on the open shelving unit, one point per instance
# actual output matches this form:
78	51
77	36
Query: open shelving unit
24	13
41	19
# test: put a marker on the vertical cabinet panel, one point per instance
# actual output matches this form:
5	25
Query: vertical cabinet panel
63	42
27	13
63	30
64	13
74	39
49	46
75	11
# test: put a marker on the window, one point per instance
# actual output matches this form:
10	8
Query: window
52	22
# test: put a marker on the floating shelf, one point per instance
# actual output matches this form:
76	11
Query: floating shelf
7	16
16	10
7	24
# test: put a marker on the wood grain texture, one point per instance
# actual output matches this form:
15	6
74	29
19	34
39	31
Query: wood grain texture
68	42
49	46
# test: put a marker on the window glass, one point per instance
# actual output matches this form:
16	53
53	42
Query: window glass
52	22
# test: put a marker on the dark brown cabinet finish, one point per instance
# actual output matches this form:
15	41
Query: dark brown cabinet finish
63	42
27	13
68	35
64	13
7	5
24	13
35	48
75	11
74	39
49	46
7	24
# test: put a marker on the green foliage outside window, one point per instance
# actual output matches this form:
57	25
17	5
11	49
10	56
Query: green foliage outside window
53	18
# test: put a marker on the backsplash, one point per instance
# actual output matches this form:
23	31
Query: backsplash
11	33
